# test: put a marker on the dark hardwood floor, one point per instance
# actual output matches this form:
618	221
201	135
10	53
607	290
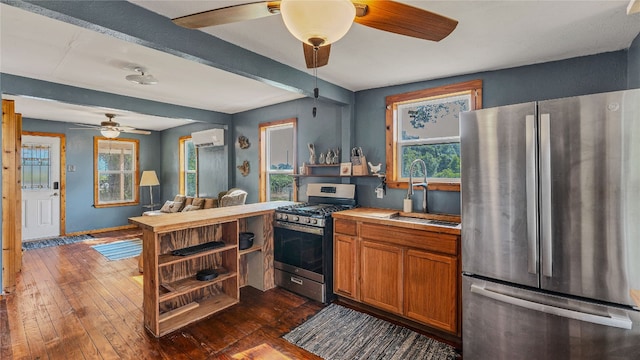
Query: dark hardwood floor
71	303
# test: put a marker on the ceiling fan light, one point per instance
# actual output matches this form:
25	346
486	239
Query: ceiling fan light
328	20
110	133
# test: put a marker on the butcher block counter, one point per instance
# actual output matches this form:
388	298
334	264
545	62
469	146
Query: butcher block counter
403	264
176	291
418	221
182	220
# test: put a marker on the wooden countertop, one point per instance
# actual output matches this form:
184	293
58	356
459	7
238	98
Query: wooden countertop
183	220
383	217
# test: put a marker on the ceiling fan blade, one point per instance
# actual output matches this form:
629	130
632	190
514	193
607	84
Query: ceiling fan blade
87	126
229	14
134	131
323	55
406	20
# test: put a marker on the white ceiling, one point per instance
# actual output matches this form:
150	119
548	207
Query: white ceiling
490	35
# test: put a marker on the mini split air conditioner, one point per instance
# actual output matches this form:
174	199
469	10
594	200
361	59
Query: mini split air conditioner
208	138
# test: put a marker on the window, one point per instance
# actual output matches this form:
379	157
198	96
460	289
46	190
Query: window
115	172
424	125
277	160
188	167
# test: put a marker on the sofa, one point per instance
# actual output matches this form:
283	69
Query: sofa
181	203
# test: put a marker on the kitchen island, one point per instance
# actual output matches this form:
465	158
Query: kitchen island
172	295
401	263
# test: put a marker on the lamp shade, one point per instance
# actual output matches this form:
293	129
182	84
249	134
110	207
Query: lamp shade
149	178
328	20
110	133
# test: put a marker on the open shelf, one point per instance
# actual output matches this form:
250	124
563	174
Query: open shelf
168	259
205	308
187	285
250	250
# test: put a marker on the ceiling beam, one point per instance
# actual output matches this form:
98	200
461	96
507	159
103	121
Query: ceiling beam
129	22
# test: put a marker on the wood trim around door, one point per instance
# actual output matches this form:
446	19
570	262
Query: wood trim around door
11	196
63	174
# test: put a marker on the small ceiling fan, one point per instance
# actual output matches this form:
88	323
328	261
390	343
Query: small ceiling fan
319	23
111	129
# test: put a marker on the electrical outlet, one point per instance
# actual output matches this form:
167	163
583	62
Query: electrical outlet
379	193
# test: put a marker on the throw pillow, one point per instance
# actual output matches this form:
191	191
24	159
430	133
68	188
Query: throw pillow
190	208
171	206
199	202
210	203
180	199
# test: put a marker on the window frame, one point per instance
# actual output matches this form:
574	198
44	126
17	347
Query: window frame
263	156
183	172
394	174
135	173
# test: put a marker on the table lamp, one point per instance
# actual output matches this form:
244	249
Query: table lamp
150	179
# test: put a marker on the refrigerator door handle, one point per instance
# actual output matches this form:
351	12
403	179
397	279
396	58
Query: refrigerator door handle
545	198
613	320
532	195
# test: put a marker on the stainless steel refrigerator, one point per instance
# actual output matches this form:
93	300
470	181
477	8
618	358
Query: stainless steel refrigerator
551	229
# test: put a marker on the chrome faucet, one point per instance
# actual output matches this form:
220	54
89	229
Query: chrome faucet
424	183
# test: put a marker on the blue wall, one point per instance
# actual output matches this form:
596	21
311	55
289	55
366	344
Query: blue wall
158	151
324	131
633	64
80	213
578	76
213	162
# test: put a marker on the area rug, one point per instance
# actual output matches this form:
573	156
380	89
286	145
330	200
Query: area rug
62	240
337	332
120	249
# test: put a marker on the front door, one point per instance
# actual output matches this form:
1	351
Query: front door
40	187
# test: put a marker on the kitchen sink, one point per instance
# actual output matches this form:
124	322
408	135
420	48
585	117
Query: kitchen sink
423	219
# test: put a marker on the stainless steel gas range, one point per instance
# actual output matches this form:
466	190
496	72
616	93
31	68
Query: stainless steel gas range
303	240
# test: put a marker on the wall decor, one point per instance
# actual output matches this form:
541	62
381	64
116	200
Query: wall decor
243	141
345	169
312	154
244	168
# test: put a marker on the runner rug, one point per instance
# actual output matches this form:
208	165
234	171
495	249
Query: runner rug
62	240
337	332
119	250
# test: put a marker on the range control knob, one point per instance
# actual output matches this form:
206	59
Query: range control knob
296	218
284	217
314	221
307	220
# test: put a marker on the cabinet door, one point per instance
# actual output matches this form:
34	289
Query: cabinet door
431	289
381	276
345	266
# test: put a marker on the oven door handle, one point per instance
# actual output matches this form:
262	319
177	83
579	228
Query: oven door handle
301	228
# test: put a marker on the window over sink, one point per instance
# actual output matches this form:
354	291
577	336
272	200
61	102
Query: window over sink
424	124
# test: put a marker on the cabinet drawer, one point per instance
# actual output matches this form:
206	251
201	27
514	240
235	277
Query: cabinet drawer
420	239
345	227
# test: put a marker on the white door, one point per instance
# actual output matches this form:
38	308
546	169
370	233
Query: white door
40	187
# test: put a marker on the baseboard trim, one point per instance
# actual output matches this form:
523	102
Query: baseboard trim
98	231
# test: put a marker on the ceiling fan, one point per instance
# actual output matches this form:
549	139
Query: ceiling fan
111	129
319	23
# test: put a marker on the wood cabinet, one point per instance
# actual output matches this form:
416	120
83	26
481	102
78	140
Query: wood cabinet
431	289
413	273
381	280
345	266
